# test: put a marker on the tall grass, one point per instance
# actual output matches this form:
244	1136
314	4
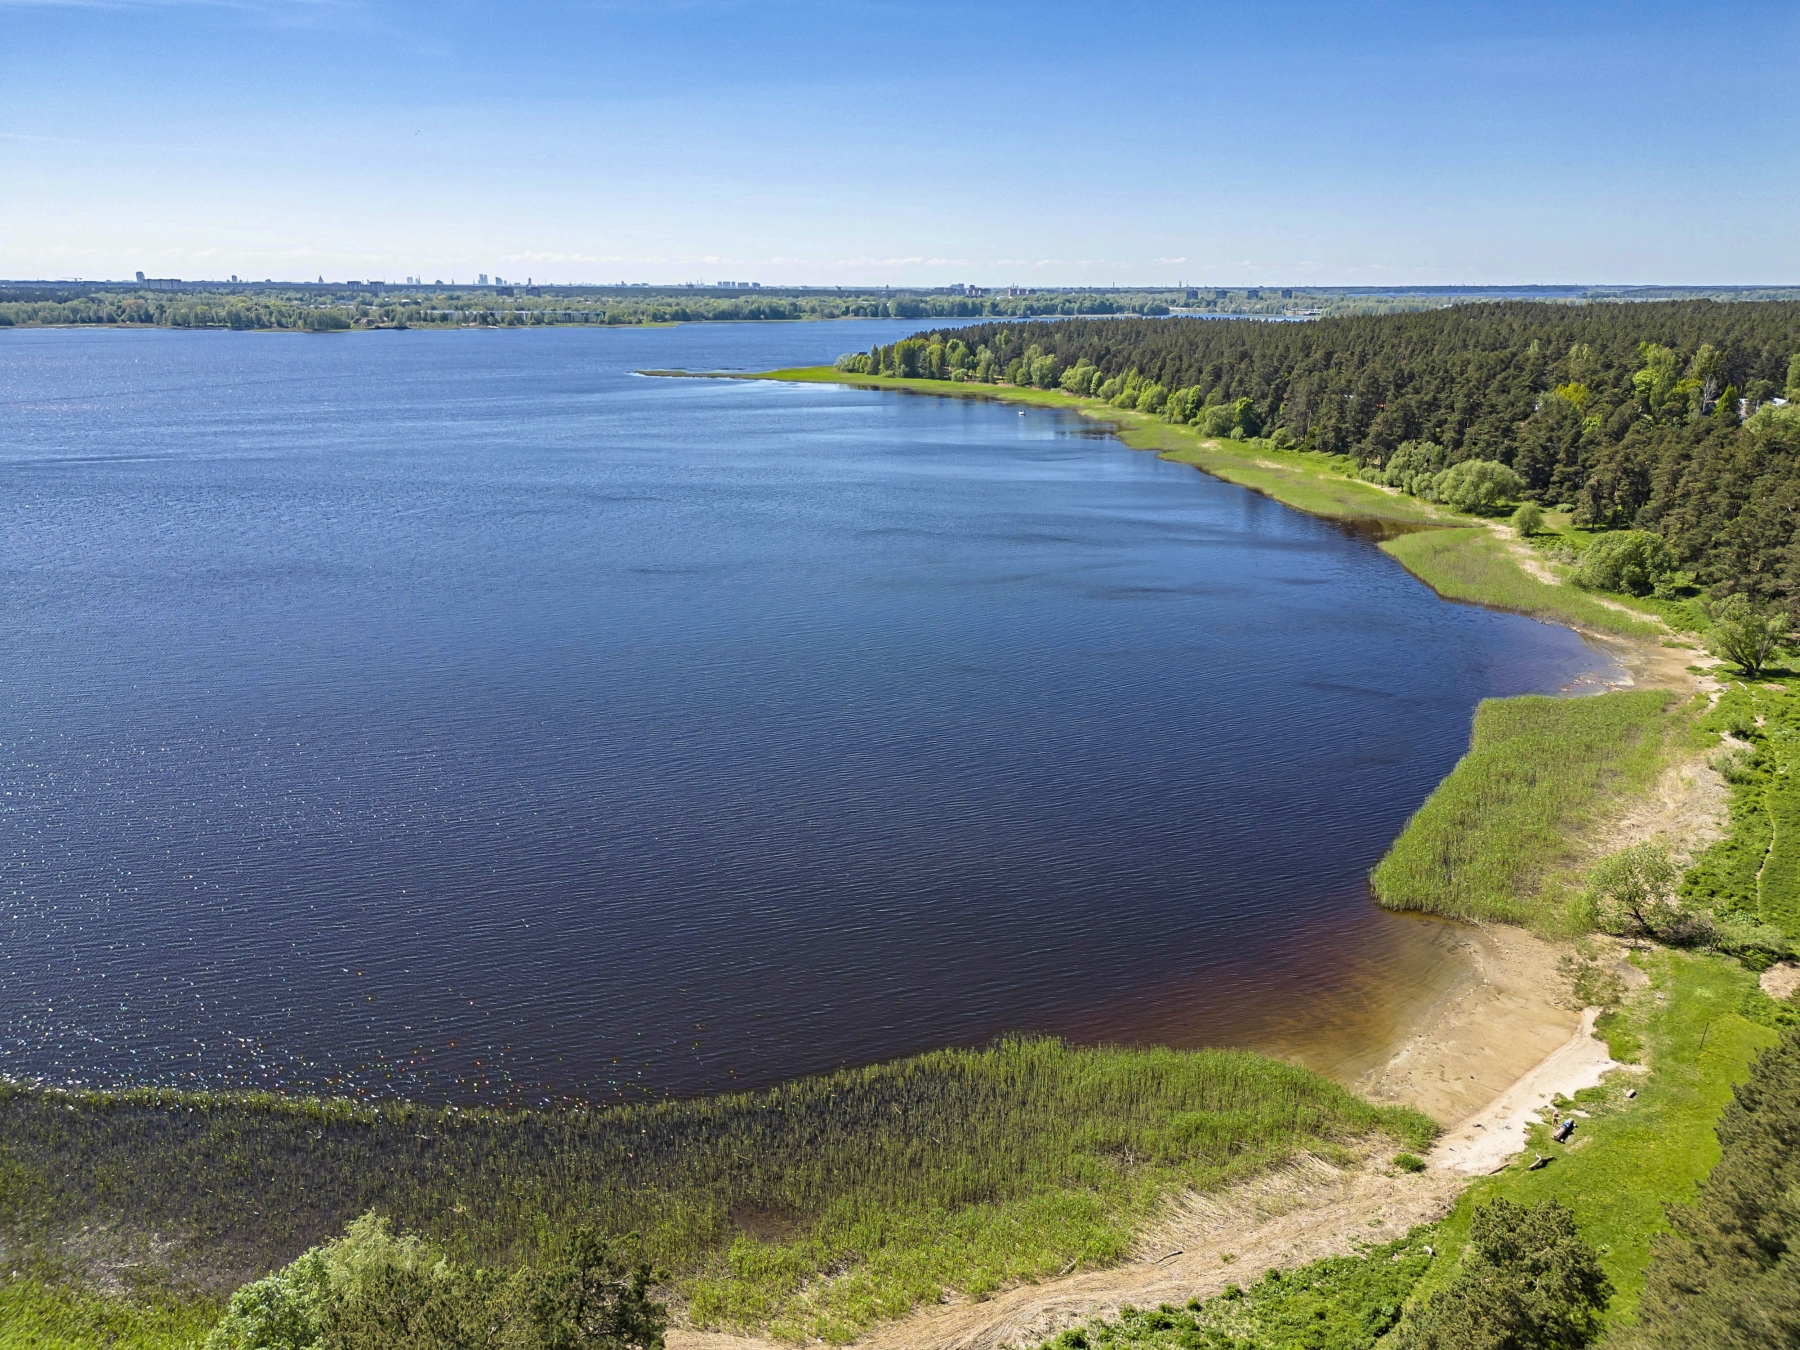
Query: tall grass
41	1312
815	1209
1539	770
1472	564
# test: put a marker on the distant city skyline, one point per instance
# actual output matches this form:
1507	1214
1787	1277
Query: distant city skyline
921	145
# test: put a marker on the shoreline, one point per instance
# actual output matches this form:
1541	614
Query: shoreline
1501	1006
1482	1047
1485	1053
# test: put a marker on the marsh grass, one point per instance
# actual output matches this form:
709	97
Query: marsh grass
1474	565
39	1310
1539	771
959	1169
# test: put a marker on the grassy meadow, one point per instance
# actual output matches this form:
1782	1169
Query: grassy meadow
1491	842
814	1209
1753	873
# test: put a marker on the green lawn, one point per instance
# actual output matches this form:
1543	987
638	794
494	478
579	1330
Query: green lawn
1491	842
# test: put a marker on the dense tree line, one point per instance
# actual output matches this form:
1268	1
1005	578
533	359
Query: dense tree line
1728	1276
261	309
1663	417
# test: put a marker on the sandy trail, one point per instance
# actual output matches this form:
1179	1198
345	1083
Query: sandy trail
1483	1143
1297	1214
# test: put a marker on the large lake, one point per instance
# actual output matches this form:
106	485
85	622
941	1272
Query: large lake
462	715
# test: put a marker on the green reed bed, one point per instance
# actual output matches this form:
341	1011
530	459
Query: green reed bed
1475	565
814	1209
1539	771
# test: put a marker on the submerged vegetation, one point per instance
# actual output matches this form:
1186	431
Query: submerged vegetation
814	1209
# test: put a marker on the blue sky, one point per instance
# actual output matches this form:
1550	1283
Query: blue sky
838	143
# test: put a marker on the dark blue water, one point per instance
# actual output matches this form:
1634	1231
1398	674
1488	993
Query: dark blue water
460	714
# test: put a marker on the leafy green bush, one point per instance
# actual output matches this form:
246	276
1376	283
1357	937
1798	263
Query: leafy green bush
1745	634
1412	468
1478	486
1633	892
1527	1282
1528	519
371	1290
1631	562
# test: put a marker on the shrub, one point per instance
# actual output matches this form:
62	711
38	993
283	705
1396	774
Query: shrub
1477	485
1527	1281
1217	420
1409	1162
1413	466
1079	379
1633	891
1746	635
1528	519
371	1290
1632	562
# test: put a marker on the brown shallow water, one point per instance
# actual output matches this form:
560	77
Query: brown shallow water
1339	1004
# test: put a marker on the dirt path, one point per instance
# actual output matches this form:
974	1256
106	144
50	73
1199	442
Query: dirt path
1301	1213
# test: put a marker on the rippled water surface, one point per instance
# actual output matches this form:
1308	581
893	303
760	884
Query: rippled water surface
459	714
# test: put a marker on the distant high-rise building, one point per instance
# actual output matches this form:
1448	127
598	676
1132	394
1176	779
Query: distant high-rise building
140	276
483	280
